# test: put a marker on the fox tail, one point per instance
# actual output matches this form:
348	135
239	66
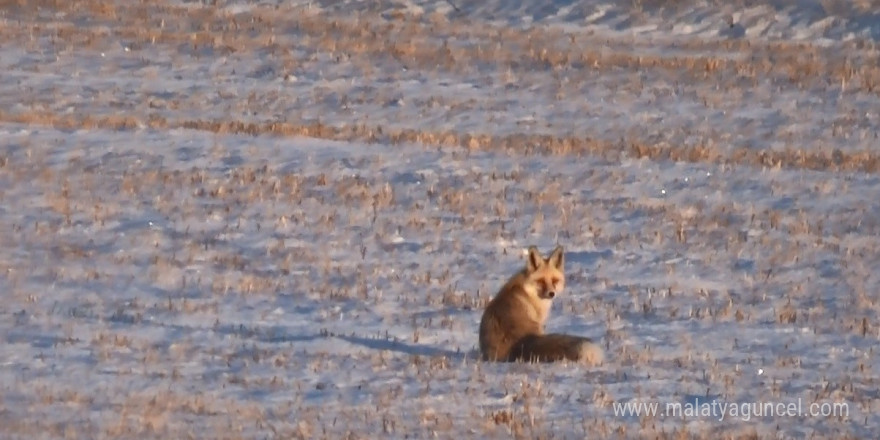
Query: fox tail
555	347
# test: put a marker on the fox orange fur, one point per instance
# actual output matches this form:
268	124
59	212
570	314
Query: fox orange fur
512	328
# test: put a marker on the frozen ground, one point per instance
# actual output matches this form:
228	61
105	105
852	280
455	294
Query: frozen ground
249	220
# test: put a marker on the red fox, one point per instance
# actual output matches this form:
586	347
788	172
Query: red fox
512	328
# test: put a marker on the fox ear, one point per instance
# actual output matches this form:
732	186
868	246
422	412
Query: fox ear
535	260
557	258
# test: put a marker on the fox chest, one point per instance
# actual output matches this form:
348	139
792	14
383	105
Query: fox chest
536	310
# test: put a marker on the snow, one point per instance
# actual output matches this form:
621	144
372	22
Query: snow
283	219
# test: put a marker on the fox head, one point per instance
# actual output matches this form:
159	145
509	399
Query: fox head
544	277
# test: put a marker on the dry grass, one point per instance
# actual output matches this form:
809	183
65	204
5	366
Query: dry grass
411	40
835	160
199	273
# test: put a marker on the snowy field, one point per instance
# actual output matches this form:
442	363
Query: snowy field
283	219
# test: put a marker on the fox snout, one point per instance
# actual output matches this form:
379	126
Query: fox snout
548	288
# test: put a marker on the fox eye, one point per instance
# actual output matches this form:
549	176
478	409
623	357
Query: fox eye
555	281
